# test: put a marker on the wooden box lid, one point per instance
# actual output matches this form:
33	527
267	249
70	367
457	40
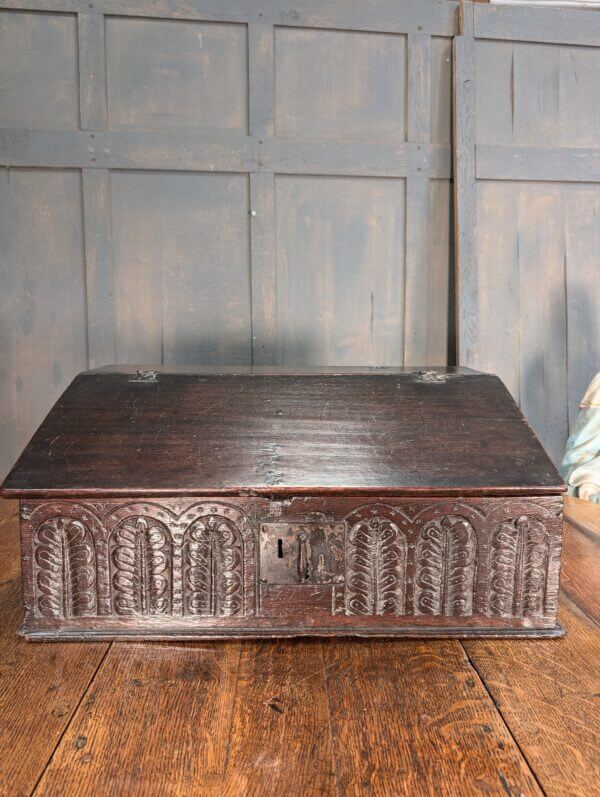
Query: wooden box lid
237	431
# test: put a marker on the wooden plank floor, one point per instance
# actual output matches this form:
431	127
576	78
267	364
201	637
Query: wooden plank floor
334	717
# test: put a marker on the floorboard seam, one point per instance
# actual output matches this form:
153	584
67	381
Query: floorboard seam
330	723
233	705
71	718
591	536
566	595
504	720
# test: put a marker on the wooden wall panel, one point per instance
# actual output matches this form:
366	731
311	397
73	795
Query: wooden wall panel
42	300
539	289
340	84
38	63
181	267
582	265
166	74
537	94
534	209
340	252
441	90
252	182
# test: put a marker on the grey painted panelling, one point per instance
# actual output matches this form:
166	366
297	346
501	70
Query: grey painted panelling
165	74
39	87
557	164
340	272
441	91
582	264
521	276
253	181
186	151
181	267
528	23
429	294
340	84
537	94
536	199
42	298
437	17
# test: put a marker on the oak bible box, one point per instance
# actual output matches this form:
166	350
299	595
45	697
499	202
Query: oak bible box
251	502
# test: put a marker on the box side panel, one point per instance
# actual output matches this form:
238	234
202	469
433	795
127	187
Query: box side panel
257	567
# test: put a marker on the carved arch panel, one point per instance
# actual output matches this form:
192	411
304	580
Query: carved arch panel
376	555
519	555
66	568
218	568
445	563
140	567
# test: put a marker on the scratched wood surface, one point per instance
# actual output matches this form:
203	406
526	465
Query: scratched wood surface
232	182
307	717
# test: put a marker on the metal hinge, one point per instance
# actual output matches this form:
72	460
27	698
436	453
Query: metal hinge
145	376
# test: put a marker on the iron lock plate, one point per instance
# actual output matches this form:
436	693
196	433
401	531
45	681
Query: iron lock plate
301	553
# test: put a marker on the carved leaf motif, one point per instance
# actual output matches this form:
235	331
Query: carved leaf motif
461	570
445	568
213	556
429	570
375	568
141	567
503	570
391	563
66	569
518	568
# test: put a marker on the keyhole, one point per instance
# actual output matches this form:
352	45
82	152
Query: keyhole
280	549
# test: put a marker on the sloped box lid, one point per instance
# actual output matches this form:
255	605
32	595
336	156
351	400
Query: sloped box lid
126	431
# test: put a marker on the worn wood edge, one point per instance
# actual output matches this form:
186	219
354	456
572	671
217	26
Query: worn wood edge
546	164
437	17
529	23
288	491
287	370
407	632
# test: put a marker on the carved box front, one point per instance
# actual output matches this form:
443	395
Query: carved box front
189	568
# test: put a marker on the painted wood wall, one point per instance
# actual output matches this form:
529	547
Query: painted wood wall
203	181
220	182
528	167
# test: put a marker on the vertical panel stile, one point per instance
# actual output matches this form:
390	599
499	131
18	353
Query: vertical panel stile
92	72
98	267
464	187
96	194
418	99
261	89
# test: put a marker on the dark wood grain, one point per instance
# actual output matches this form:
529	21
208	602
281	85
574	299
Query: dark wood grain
192	568
399	431
40	687
155	721
414	718
547	692
356	717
